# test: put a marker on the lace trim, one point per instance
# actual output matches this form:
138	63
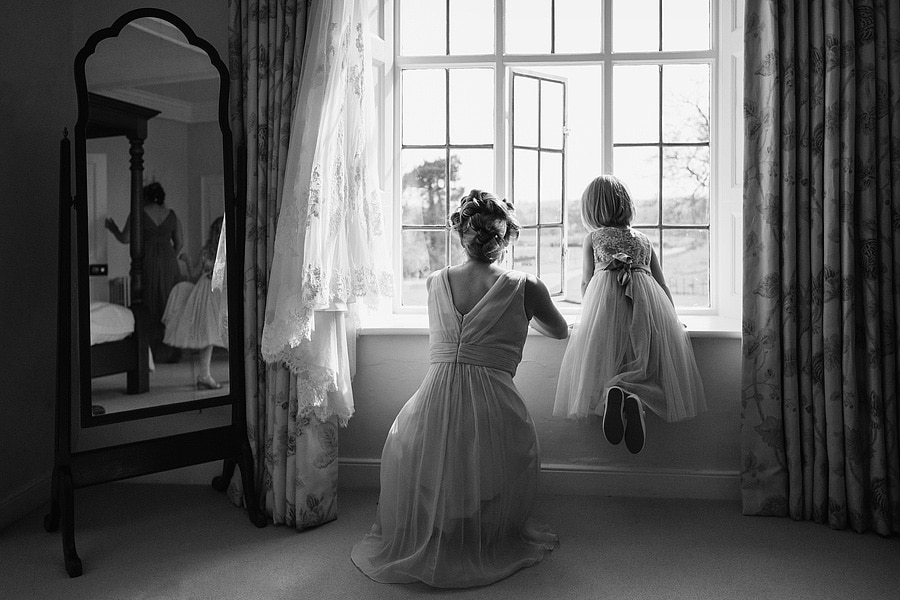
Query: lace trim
314	384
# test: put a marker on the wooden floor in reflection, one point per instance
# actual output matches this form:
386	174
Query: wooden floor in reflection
170	383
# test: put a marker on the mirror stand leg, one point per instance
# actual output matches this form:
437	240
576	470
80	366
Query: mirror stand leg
51	520
220	483
257	515
67	505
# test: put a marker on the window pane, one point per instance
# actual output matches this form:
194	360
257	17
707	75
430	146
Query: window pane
423	253
424	194
552	112
551	259
685	262
685	103
423	27
424	106
636	25
583	152
470	169
471	26
638	168
525	252
471	106
636	104
528	26
685	25
578	26
525	111
525	185
686	185
551	187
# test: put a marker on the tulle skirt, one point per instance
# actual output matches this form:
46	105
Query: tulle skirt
636	344
459	474
195	316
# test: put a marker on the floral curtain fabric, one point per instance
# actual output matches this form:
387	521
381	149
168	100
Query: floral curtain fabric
822	262
296	456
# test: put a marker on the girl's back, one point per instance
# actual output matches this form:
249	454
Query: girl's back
607	242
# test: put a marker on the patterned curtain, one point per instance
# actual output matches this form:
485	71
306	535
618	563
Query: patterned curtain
296	456
821	262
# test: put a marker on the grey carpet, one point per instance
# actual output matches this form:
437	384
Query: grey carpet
143	541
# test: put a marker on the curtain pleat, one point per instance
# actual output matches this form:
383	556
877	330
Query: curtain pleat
822	228
296	458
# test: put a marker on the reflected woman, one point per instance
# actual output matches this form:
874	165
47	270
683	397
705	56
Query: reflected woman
162	242
196	314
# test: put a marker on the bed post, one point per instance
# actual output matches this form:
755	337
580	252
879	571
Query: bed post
138	380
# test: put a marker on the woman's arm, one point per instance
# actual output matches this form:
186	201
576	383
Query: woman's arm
123	236
657	273
587	265
177	240
545	317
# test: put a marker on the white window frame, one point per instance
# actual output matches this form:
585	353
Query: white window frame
726	137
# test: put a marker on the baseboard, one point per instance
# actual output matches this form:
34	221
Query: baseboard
357	473
24	500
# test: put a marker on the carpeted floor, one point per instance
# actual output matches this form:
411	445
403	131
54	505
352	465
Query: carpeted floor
143	541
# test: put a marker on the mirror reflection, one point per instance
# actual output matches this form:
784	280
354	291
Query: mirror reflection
161	259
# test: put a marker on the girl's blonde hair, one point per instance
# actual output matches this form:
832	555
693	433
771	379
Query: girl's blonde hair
606	203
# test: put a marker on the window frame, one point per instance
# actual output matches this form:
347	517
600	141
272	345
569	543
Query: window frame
726	96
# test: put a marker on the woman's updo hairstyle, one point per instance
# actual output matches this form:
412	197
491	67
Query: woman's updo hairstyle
486	225
155	193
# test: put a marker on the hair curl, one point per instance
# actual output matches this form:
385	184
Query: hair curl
486	225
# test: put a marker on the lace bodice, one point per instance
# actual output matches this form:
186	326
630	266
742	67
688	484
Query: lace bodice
609	241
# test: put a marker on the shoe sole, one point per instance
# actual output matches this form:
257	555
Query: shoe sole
614	428
635	428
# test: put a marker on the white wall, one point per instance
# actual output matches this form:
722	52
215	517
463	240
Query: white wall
697	458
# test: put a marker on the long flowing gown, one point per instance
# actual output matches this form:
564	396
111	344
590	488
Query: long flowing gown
196	314
629	336
161	270
460	465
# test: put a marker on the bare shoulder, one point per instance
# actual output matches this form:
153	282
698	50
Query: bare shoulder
535	289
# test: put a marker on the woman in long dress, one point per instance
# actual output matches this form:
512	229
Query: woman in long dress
162	240
460	465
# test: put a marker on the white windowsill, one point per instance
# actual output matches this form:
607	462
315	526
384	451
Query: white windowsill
700	326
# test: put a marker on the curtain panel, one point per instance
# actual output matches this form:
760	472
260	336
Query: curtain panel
819	421
296	456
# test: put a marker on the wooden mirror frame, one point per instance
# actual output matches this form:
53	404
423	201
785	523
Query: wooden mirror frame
76	469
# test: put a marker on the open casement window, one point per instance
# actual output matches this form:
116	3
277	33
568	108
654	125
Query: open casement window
538	175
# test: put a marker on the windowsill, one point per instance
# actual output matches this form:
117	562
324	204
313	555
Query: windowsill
700	326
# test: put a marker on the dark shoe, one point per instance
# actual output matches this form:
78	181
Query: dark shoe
613	419
208	384
635	429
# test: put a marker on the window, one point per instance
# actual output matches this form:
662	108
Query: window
531	99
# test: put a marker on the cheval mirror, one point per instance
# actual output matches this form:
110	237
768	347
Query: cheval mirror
149	248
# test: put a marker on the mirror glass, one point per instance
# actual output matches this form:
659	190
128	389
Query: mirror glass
151	74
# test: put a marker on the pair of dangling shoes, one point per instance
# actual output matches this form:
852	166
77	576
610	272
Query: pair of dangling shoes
623	418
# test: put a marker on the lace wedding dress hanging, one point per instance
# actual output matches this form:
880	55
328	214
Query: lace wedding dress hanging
330	247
